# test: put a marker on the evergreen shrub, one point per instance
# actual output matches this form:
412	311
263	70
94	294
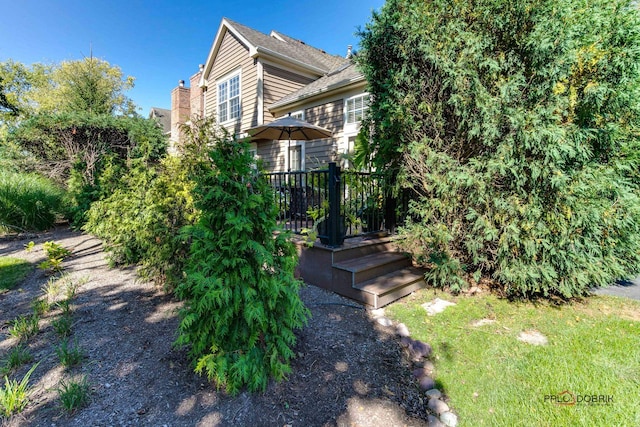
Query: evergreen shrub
515	126
241	298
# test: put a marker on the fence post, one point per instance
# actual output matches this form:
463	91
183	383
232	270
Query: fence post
333	228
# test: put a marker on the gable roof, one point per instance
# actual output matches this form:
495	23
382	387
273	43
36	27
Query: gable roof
275	45
163	117
340	77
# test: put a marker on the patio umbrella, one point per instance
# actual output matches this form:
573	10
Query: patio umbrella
289	128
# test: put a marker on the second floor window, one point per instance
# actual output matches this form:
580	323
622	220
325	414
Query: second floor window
229	99
356	108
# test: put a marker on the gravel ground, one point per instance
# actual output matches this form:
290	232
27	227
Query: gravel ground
349	370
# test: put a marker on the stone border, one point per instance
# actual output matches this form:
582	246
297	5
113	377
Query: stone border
419	354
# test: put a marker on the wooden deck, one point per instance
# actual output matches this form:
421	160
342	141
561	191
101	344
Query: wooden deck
369	270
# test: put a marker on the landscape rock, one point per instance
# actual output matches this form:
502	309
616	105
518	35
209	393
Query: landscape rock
533	337
436	306
405	342
402	330
434	392
449	419
482	322
434	421
437	406
378	312
419	350
384	321
426	383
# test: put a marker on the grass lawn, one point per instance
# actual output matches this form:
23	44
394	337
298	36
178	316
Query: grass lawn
494	379
12	272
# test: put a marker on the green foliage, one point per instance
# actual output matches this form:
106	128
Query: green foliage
69	354
140	221
74	394
28	202
62	324
515	125
88	153
17	356
24	327
12	272
14	396
87	85
241	298
55	255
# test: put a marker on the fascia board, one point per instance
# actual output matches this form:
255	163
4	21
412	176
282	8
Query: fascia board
326	91
259	50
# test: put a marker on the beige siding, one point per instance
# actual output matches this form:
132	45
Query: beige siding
272	154
231	56
329	115
318	153
279	83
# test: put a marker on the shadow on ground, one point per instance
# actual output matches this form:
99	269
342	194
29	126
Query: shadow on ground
348	370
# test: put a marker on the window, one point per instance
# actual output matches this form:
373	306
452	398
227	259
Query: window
297	148
356	108
295	154
229	99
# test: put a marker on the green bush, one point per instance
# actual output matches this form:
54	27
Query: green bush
140	221
515	125
28	202
241	298
88	153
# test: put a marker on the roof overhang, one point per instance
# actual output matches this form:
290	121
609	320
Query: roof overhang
254	52
323	92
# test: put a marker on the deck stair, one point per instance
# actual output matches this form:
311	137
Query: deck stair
371	271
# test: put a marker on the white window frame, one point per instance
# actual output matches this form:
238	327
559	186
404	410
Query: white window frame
362	110
294	144
351	129
226	80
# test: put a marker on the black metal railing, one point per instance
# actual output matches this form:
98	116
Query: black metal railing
333	203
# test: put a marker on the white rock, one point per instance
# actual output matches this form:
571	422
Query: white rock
384	321
436	306
533	337
379	312
402	330
434	421
449	418
483	322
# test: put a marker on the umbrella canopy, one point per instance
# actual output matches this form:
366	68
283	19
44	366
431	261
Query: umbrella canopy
289	128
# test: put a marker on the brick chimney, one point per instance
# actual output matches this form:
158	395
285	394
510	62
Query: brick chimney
197	94
180	110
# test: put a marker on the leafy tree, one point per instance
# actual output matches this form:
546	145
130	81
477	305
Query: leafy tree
89	153
16	83
87	85
515	125
241	298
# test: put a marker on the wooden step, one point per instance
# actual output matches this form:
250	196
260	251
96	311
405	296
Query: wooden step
370	266
389	287
362	248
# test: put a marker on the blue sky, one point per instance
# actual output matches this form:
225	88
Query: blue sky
160	42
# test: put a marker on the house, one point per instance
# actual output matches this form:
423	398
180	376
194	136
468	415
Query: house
251	78
163	117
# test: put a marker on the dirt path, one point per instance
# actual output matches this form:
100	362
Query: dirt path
348	371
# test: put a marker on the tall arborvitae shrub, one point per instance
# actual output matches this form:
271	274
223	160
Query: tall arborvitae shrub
241	298
515	126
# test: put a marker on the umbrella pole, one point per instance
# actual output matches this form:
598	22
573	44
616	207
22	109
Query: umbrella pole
289	154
